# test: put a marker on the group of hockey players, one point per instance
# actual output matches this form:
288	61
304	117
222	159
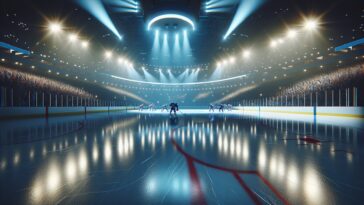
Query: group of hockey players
220	107
173	107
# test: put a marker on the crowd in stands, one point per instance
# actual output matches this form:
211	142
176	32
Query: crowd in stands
350	76
16	79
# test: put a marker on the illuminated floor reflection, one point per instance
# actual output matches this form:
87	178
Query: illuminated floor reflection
197	158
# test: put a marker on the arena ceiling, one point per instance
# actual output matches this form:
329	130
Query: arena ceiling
343	21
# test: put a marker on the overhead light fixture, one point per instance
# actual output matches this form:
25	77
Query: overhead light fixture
72	37
84	44
291	33
246	53
108	54
273	43
170	16
55	27
120	60
232	59
311	24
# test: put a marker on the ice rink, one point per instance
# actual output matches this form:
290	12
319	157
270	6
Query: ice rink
196	157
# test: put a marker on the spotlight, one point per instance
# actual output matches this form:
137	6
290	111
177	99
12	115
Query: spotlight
165	35
72	37
218	64
120	60
246	54
98	10
273	43
291	33
311	24
108	54
280	40
84	44
232	59
55	27
244	10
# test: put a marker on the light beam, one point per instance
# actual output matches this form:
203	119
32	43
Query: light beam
245	9
97	9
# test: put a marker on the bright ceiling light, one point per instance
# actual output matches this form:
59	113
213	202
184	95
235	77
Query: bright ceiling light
84	44
55	27
120	60
273	43
174	84
170	16
246	53
232	59
108	54
72	37
311	24
291	33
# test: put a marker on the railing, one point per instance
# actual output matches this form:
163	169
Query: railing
30	98
347	97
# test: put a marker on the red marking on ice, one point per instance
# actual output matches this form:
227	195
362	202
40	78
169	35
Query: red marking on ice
310	140
246	188
196	185
195	179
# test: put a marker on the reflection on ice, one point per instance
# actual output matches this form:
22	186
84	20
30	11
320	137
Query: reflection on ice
53	179
95	153
71	169
312	186
137	150
108	152
292	177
